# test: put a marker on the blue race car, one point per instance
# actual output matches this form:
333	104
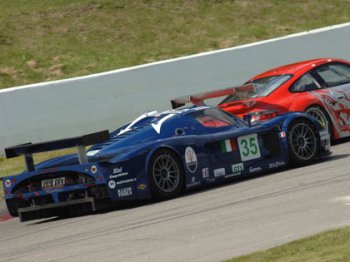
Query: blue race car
158	155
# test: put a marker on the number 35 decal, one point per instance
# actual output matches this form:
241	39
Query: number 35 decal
248	147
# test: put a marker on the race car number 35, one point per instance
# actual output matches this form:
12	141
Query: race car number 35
248	147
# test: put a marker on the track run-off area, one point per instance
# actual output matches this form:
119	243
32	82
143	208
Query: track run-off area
208	225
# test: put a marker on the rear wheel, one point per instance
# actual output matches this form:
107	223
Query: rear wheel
303	142
166	174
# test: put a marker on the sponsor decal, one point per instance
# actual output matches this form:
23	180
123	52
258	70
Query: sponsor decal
219	172
249	147
126	181
228	145
205	172
119	175
191	159
142	186
124	192
111	184
282	134
277	164
324	135
237	169
117	170
7	183
93	169
255	169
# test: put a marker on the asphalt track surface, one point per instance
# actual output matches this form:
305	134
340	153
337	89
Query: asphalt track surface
208	225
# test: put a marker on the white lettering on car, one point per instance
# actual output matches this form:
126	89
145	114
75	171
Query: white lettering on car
124	192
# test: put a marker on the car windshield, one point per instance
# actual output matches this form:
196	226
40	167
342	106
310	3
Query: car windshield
262	87
214	118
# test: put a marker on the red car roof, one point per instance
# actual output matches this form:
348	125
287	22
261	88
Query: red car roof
297	68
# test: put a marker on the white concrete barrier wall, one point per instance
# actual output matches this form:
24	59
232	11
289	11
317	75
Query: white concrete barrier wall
72	107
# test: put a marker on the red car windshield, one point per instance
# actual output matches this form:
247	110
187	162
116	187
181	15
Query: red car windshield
262	87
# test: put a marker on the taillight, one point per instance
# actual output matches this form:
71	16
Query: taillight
260	116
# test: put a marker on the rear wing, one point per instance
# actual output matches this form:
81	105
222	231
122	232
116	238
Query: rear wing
198	99
80	142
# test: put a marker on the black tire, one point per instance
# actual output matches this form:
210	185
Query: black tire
11	208
166	175
303	142
320	114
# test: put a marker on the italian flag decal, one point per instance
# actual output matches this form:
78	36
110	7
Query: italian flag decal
228	145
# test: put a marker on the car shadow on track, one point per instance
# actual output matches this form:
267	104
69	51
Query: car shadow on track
331	158
341	141
118	206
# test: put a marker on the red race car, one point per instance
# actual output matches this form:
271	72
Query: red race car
319	87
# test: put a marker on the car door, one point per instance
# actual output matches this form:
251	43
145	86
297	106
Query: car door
336	95
222	147
234	148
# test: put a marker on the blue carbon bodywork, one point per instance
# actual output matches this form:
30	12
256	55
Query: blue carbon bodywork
118	169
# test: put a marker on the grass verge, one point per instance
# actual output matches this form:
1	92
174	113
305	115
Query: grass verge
47	40
329	246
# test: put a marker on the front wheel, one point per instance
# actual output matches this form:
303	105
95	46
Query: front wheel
302	141
166	175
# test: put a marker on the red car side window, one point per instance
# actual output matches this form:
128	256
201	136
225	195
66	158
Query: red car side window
305	83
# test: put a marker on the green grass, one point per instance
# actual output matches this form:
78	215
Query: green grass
329	246
43	40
